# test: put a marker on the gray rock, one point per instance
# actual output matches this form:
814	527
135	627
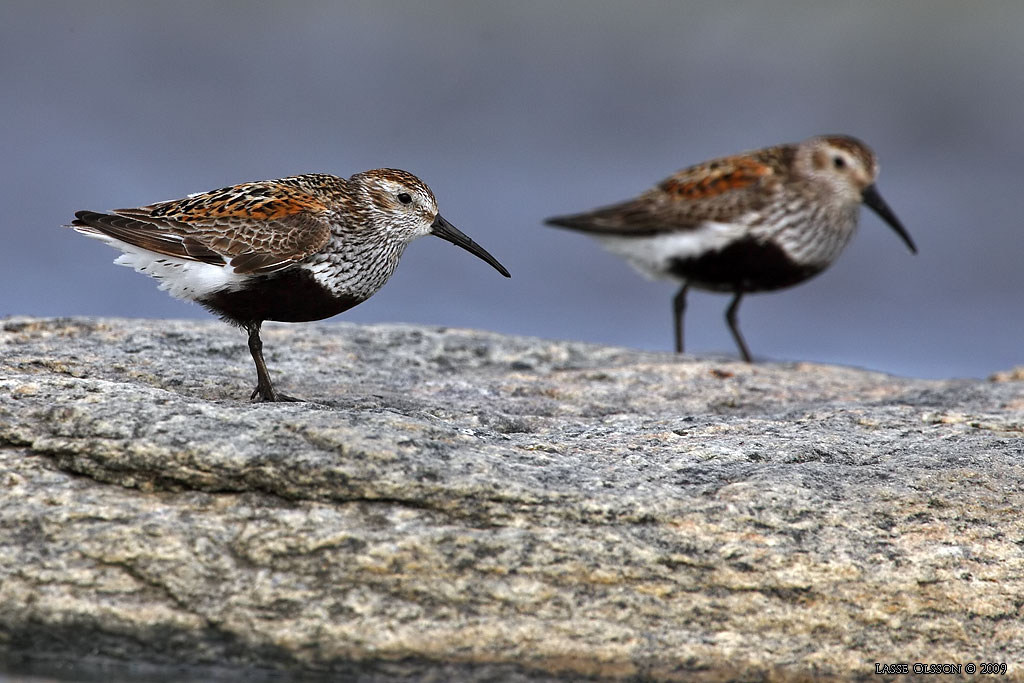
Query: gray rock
464	505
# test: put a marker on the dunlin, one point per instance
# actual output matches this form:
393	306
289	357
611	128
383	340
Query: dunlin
295	249
754	222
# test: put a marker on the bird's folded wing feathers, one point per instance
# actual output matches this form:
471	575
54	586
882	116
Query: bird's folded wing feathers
253	228
718	191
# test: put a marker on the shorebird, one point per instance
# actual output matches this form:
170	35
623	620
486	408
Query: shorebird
295	249
755	222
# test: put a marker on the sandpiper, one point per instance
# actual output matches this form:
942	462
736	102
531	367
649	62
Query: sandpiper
296	249
755	222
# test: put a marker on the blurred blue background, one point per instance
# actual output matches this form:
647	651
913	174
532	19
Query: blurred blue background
512	112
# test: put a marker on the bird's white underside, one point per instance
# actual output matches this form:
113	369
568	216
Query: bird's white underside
652	254
180	278
192	280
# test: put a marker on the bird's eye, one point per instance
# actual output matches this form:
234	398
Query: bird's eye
838	161
405	197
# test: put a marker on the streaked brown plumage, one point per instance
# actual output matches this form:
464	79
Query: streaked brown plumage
296	249
753	222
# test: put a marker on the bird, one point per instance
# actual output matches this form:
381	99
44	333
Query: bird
294	249
758	221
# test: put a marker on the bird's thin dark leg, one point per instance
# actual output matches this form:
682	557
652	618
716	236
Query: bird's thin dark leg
730	317
678	309
264	387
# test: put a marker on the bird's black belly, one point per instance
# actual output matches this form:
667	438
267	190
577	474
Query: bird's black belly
290	296
744	265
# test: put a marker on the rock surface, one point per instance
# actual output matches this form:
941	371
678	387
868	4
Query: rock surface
462	505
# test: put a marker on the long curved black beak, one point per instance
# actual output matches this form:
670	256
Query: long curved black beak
446	231
874	200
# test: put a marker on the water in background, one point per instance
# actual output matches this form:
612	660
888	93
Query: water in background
516	111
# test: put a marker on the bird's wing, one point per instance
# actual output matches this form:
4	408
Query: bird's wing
254	227
715	191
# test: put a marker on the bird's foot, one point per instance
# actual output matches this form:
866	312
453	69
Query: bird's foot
267	394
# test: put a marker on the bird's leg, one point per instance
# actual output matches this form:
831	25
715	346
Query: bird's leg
678	308
264	391
264	387
730	317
